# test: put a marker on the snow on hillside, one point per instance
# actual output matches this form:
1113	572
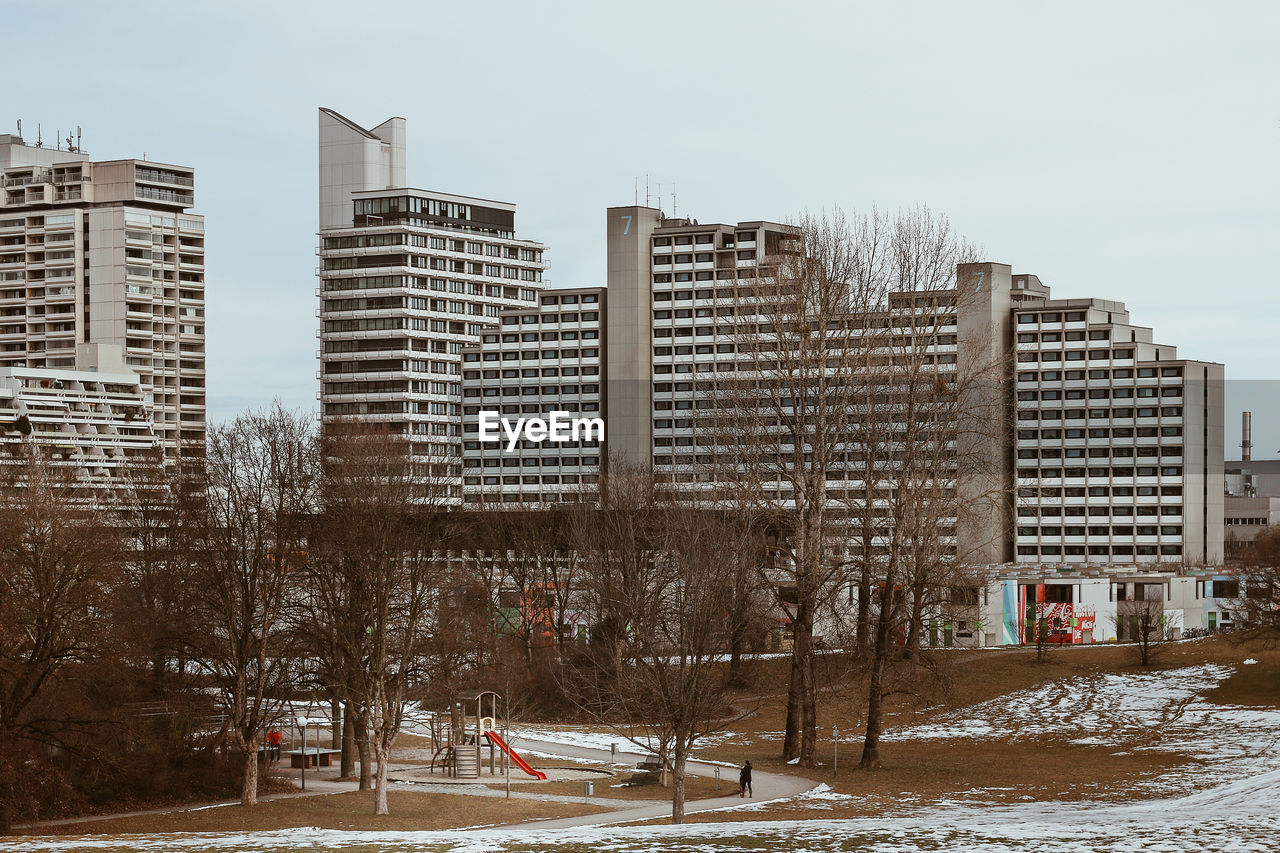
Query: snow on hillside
1161	710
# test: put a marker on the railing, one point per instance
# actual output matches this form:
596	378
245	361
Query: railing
164	195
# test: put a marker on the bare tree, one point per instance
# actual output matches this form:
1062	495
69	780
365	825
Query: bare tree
248	525
59	556
842	430
665	571
382	544
1144	622
936	420
155	599
1258	608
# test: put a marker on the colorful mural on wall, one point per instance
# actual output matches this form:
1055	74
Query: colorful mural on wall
1064	621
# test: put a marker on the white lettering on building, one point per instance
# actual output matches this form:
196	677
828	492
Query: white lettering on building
558	428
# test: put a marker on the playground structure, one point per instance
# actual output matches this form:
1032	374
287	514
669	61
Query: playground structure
460	735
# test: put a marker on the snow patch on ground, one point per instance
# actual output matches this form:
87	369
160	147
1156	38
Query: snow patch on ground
1236	816
1162	710
590	739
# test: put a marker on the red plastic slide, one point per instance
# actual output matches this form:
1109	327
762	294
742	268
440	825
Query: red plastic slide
515	756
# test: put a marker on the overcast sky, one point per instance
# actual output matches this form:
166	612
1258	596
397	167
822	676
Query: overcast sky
1120	150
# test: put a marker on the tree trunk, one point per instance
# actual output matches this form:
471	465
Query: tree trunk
677	786
380	787
6	784
249	788
808	686
363	747
737	671
791	740
862	637
915	624
348	743
875	690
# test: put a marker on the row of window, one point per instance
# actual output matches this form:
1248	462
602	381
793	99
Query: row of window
1054	337
473	247
705	238
700	258
534	461
1106	414
1096	452
1052	317
1075	355
551	479
1077	433
1098	511
1099	373
1103	530
1077	473
525	391
1033	551
528	337
531	319
1034	493
529	355
1101	393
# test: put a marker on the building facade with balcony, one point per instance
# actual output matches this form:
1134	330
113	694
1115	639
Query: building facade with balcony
408	278
540	360
95	420
1107	444
106	252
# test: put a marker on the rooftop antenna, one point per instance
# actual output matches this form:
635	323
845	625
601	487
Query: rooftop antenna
19	128
636	201
57	139
39	136
675	210
78	148
646	189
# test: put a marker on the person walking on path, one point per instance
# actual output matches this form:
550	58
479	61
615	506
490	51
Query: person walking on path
744	780
274	738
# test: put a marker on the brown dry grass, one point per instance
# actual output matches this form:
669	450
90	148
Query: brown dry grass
354	810
923	772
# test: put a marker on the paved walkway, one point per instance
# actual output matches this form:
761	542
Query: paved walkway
766	786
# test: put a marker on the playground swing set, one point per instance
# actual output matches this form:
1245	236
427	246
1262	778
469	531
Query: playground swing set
460	736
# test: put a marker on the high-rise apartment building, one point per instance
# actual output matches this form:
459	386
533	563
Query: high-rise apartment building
542	360
407	279
1108	445
106	252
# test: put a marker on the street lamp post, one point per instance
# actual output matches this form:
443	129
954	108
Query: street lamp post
302	772
835	750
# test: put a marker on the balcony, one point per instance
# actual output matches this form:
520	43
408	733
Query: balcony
162	195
